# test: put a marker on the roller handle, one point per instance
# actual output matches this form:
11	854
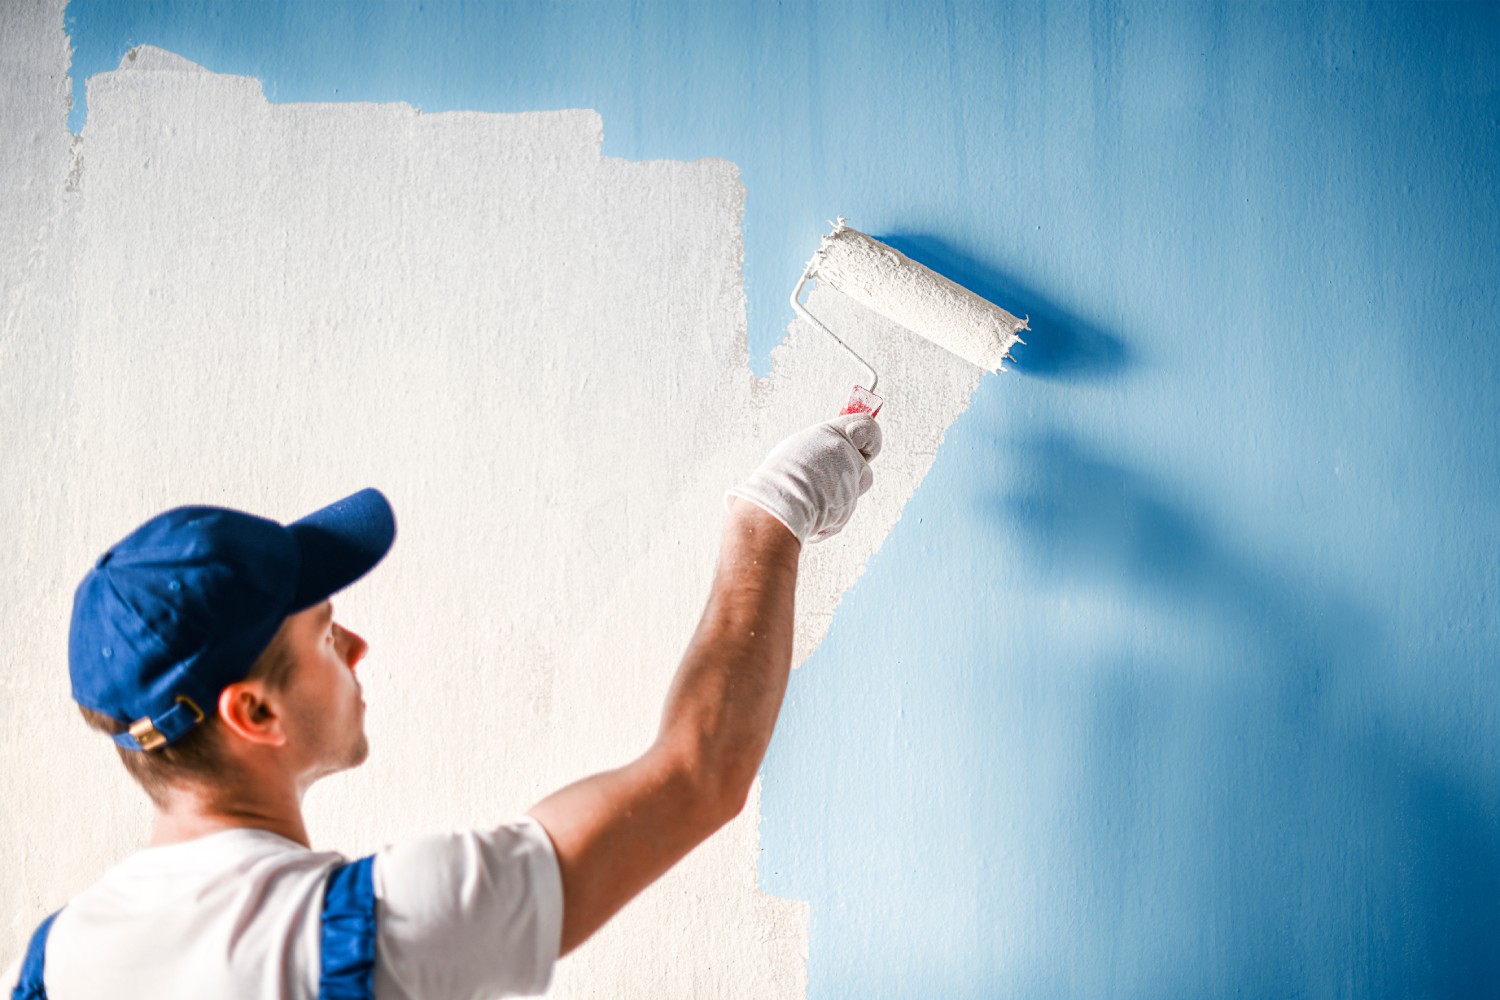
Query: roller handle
862	400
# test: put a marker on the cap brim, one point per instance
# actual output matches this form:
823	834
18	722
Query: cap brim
341	543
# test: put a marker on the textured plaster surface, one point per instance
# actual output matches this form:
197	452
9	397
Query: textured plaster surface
536	351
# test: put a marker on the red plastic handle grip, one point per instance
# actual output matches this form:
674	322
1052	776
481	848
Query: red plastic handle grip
862	400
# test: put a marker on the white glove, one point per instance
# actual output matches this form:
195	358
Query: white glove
811	481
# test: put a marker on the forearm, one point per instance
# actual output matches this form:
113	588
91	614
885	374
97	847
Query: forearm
723	703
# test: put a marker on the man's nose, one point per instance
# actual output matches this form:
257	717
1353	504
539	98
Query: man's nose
355	646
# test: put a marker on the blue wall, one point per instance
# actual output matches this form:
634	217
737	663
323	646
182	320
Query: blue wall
1178	677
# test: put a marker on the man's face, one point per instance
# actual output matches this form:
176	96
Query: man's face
325	712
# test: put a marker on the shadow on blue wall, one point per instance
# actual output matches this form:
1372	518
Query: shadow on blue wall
1262	836
1059	345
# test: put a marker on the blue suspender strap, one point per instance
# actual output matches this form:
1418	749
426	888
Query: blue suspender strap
30	987
349	933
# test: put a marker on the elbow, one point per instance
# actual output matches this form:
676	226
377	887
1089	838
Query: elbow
732	801
717	813
714	795
731	794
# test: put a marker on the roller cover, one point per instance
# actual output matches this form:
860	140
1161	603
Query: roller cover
885	280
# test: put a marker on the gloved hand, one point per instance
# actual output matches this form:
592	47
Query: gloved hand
811	481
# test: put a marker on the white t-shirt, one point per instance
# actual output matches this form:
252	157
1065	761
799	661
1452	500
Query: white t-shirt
237	914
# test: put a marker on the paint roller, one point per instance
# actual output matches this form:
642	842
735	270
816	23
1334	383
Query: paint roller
886	281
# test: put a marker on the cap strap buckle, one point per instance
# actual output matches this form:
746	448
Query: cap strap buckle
148	737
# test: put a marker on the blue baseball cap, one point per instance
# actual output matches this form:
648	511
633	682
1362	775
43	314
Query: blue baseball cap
184	605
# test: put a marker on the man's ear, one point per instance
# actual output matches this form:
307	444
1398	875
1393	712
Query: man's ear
244	708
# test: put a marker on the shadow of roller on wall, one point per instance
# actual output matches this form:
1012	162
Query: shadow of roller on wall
1059	346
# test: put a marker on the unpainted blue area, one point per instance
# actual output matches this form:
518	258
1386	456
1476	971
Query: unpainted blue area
1178	676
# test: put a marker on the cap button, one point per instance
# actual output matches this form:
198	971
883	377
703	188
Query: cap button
175	585
108	652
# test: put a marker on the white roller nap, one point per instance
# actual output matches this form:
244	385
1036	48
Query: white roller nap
884	280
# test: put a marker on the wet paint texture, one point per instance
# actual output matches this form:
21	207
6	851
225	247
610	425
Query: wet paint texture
1178	674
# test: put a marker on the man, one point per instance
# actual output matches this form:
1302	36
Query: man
206	645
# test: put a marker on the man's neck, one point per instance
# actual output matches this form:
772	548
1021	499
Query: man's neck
189	813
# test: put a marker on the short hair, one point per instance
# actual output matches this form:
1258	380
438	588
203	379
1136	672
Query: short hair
197	757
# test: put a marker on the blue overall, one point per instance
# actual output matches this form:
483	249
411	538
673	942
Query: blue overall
348	971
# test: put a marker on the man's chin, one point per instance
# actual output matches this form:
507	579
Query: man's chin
357	754
352	756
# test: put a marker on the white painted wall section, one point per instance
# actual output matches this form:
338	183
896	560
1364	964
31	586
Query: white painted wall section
536	351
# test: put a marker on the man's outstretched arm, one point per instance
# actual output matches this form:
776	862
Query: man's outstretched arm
617	832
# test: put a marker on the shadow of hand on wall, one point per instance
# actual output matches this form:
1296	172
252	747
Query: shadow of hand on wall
1091	519
1059	344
